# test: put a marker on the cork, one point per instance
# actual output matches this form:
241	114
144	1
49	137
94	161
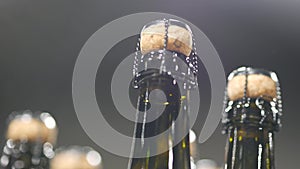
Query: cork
153	38
31	130
71	160
258	85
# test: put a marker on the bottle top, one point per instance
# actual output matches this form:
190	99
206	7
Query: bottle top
27	127
76	157
169	34
251	83
253	99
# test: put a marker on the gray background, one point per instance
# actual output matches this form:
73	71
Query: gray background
40	41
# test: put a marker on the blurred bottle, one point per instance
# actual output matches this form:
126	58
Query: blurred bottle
29	141
251	117
206	164
76	157
193	149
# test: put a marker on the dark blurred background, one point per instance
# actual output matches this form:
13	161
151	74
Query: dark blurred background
40	41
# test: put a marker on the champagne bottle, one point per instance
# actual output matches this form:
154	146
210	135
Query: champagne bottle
166	47
251	118
76	157
29	141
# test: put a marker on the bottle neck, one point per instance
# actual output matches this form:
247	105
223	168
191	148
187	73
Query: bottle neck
249	148
250	127
22	154
177	156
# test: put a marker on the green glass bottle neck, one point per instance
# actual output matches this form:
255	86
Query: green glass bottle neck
19	154
250	127
249	148
177	156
